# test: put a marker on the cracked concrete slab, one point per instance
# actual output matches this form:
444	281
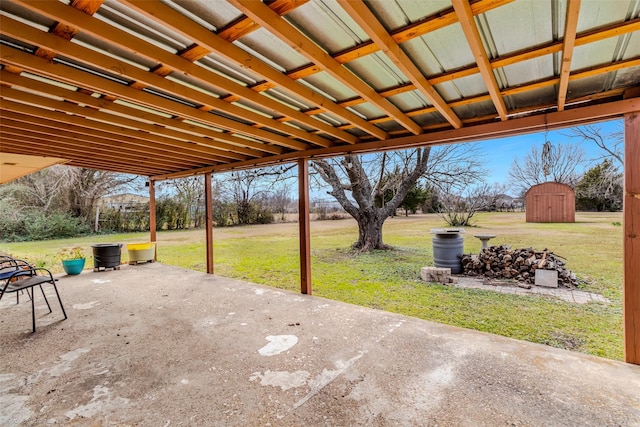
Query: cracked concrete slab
153	345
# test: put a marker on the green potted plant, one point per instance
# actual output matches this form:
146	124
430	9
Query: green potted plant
73	260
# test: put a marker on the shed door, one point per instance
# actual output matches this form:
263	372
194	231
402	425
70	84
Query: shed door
550	208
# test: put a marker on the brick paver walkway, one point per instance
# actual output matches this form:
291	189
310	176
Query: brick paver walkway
570	295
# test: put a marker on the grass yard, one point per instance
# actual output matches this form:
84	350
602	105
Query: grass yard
389	280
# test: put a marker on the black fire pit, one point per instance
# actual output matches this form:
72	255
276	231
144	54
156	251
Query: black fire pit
106	255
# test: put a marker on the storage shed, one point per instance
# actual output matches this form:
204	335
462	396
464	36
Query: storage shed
551	202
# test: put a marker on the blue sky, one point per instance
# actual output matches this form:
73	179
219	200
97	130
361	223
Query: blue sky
499	154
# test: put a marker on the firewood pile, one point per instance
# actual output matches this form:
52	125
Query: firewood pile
502	262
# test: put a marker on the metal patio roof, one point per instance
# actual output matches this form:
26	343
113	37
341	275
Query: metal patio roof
176	87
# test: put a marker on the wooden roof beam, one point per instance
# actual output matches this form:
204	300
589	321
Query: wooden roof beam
530	124
62	131
128	116
470	29
568	42
590	36
402	35
261	13
69	142
169	62
79	78
213	43
143	78
19	147
361	14
133	136
244	25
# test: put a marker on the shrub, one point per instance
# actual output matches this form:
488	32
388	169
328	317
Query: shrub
37	225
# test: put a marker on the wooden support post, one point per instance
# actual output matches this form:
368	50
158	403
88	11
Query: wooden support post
152	215
208	200
631	292
303	223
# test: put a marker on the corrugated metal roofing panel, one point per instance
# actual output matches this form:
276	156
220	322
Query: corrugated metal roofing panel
228	69
328	25
464	87
216	13
395	14
367	111
409	101
582	87
422	56
10	41
544	96
378	71
287	98
449	45
324	83
267	46
391	126
593	54
632	49
596	13
522	24
529	71
428	119
477	109
105	48
26	16
135	23
627	77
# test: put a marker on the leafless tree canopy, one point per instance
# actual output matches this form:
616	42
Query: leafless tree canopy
564	161
356	182
66	189
611	144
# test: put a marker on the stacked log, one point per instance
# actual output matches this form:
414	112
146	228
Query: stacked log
502	262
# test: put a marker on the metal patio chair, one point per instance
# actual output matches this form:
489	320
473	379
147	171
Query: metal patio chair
18	275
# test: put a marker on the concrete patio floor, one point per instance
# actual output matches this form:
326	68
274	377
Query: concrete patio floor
154	345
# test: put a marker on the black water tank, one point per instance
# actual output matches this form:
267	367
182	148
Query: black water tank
448	246
106	255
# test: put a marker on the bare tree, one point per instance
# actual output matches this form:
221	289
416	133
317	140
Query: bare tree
67	189
460	204
190	193
612	144
563	160
356	181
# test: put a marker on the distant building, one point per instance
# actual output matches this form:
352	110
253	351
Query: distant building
123	202
551	202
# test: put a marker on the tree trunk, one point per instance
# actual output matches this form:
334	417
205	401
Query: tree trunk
369	233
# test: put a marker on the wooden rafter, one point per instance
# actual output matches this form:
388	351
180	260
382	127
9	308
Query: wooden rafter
244	25
122	115
586	37
530	124
570	28
213	43
169	63
145	79
193	128
361	14
471	33
260	13
146	141
69	75
402	35
39	128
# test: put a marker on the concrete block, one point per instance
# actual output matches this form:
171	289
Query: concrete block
435	274
547	278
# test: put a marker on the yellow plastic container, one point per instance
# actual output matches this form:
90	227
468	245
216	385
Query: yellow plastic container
141	252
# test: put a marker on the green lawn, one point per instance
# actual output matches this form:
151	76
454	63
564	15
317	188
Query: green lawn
389	280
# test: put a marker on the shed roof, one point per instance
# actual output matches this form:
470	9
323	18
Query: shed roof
172	88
